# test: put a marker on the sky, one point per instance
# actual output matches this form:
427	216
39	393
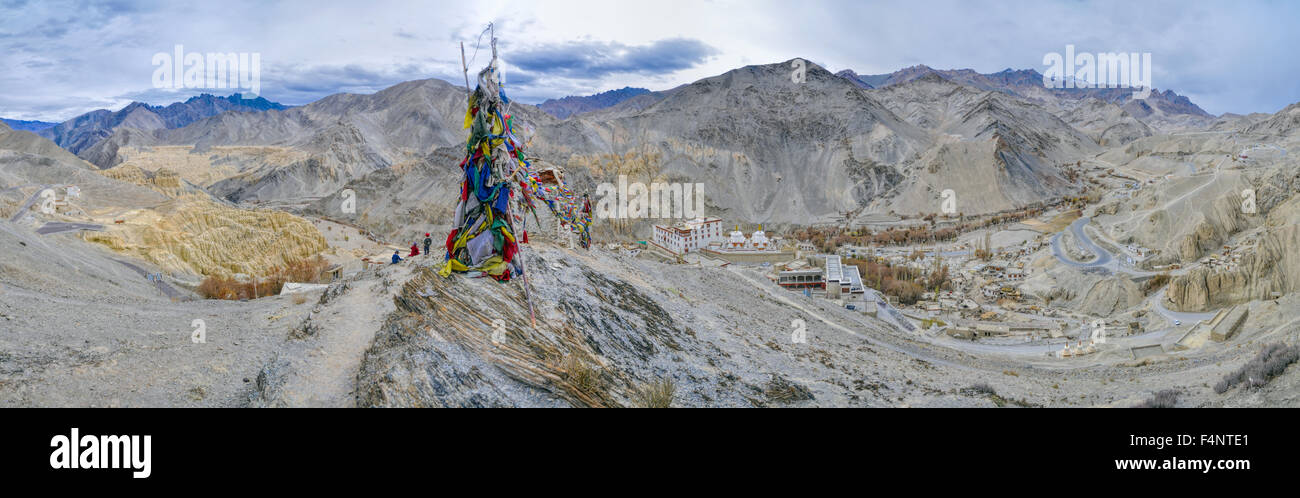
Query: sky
62	59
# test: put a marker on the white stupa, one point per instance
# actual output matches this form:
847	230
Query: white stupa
758	241
737	241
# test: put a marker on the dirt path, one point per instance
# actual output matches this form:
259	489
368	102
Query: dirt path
322	368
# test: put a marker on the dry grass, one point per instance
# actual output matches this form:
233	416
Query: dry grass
657	394
299	299
583	377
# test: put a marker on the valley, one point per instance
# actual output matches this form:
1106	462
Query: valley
1096	250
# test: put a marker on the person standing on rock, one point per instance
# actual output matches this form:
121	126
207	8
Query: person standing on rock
427	242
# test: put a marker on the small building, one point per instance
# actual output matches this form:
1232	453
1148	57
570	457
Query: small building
996	268
991	291
798	279
834	277
333	273
855	252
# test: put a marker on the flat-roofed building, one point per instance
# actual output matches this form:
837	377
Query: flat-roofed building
687	236
834	277
797	279
852	287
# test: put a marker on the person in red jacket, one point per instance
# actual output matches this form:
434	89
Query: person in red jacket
415	250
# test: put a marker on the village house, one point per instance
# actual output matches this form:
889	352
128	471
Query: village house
855	252
991	291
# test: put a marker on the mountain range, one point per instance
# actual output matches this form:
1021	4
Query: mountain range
18	124
568	106
767	149
1165	110
84	131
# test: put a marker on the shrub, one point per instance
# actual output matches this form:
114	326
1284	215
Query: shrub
1154	283
657	394
1269	363
783	391
583	377
1163	399
305	270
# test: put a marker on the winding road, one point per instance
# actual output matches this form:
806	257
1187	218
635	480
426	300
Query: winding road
1103	257
1106	260
28	205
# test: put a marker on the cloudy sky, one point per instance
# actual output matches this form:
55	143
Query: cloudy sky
64	58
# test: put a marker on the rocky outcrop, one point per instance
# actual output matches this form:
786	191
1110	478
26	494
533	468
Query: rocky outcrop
468	343
1111	295
191	234
1272	265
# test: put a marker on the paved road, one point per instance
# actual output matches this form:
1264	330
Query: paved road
1158	303
59	226
163	287
27	205
1103	257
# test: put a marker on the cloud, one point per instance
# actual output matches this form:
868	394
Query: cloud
1234	56
595	60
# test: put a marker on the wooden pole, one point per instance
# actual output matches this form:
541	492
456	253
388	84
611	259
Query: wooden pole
464	66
